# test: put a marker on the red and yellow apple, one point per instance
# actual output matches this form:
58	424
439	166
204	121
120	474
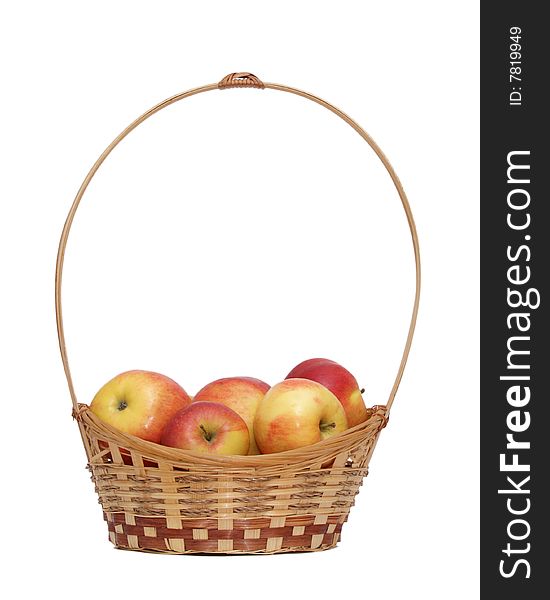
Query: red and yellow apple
339	381
295	413
139	403
207	427
242	394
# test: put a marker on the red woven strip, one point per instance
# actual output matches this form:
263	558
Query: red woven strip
254	523
288	543
229	534
291	542
202	545
304	540
148	543
249	545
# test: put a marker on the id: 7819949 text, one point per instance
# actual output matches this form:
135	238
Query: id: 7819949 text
515	66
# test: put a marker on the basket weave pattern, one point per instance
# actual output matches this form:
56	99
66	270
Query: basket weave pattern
163	499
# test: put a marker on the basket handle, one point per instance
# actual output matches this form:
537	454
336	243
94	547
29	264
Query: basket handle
230	81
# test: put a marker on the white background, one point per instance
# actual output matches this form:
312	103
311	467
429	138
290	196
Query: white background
238	233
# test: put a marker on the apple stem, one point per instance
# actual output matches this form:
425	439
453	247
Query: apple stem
207	436
362	390
326	426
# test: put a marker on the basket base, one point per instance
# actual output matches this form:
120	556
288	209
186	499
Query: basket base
196	506
231	552
304	533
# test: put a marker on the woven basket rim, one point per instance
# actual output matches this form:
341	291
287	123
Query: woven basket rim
344	441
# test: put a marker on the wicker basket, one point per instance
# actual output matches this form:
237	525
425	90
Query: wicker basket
162	499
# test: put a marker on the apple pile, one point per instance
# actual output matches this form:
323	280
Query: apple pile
235	415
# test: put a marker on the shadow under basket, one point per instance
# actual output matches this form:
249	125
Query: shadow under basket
162	499
156	498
